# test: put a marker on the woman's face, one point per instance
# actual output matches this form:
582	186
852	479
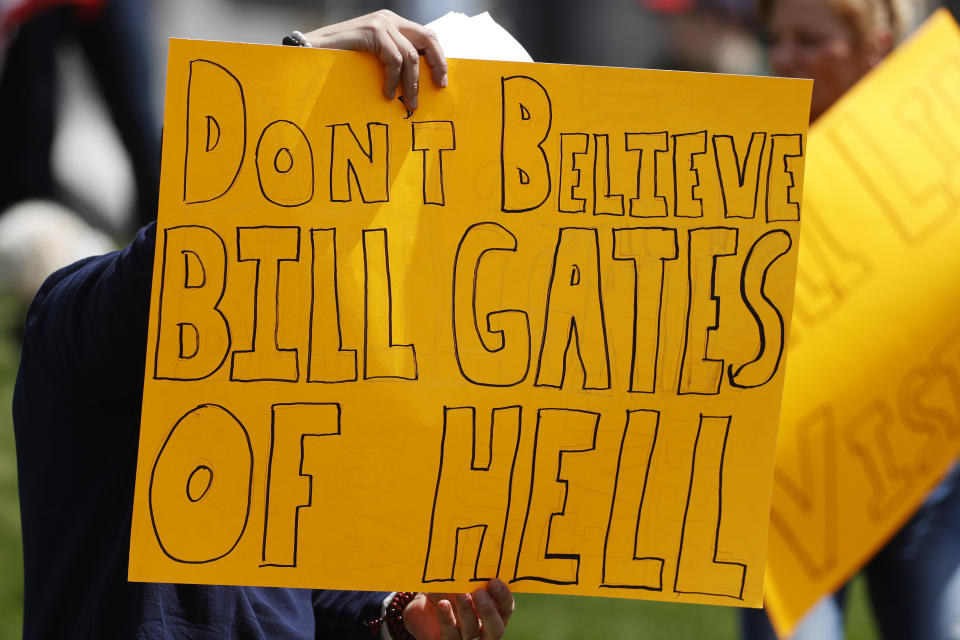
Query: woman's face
810	40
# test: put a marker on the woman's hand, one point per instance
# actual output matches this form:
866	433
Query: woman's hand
398	43
481	615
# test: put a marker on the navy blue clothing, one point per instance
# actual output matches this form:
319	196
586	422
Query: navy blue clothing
76	417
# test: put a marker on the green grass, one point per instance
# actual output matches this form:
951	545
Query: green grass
11	557
567	618
537	616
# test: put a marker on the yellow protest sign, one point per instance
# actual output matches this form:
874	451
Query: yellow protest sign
871	418
534	330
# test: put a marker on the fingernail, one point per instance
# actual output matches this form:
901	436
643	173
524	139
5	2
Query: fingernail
480	597
443	80
496	587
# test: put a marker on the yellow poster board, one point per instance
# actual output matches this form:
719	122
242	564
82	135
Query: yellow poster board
534	330
871	408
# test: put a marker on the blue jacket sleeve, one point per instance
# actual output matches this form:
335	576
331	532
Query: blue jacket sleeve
341	614
89	320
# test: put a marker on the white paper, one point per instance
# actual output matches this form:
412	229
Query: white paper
477	37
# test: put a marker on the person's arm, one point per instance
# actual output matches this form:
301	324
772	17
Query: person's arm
88	322
344	614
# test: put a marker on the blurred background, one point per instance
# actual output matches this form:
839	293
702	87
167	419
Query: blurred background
94	88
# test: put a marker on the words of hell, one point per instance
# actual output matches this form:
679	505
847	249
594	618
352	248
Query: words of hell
479	488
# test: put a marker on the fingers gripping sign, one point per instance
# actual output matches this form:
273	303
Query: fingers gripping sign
397	42
481	615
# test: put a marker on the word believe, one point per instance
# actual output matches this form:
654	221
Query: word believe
640	174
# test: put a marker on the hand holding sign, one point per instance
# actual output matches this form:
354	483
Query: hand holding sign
482	614
397	42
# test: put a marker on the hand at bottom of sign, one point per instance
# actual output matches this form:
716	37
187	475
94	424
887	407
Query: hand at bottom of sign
482	614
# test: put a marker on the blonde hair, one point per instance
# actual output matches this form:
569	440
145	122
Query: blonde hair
867	17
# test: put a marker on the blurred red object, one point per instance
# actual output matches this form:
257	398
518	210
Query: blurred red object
668	6
19	11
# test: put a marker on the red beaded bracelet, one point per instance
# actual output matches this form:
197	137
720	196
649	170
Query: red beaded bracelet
394	617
